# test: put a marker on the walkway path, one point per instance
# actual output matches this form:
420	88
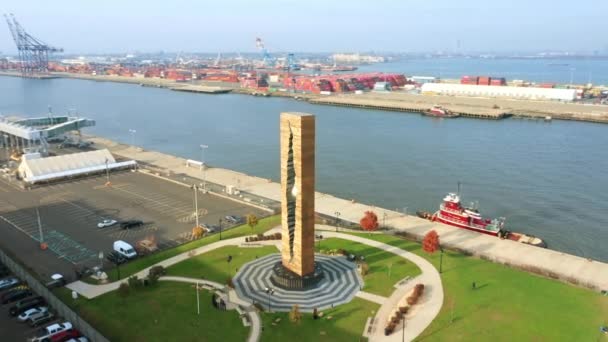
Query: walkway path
428	308
570	268
425	313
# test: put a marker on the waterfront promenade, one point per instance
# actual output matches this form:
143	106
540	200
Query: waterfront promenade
554	264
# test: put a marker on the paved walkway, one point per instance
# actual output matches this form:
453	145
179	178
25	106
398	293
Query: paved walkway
429	306
585	272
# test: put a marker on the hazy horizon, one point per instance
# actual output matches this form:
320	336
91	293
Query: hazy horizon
315	26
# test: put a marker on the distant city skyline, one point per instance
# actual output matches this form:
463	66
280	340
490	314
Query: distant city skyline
314	26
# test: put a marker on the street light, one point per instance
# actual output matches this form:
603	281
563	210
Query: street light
337	213
195	188
132	132
203	166
403	328
107	174
269	291
220	228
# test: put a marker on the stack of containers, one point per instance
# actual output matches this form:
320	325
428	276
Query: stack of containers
483	80
498	81
469	80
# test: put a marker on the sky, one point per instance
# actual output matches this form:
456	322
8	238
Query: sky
112	26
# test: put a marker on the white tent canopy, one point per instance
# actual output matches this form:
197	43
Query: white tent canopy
36	169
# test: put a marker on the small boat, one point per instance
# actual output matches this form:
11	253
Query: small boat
452	213
440	112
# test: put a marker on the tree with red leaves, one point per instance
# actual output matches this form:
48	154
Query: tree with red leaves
430	244
369	221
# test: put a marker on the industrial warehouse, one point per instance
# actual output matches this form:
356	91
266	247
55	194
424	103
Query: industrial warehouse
528	93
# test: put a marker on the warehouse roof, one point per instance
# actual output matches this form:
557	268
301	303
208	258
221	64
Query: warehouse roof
34	169
500	91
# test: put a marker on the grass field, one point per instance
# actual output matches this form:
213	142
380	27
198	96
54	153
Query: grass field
347	324
385	269
147	261
164	312
508	304
214	266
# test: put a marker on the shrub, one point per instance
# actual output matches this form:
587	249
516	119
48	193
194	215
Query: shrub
123	289
404	309
157	271
364	268
295	315
411	300
134	282
197	232
230	283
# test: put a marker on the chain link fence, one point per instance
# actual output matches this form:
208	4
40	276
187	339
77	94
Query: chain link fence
59	307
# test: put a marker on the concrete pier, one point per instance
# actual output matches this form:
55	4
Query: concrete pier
564	267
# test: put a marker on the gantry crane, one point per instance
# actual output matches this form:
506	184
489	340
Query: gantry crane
33	52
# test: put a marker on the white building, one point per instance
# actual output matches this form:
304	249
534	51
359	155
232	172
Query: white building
499	91
35	169
356	58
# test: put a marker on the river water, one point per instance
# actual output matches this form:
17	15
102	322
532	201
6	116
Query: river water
558	70
547	179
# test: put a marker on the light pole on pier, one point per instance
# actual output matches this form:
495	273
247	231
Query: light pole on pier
337	213
203	166
132	132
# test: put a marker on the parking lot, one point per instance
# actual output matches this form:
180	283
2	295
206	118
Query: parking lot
67	214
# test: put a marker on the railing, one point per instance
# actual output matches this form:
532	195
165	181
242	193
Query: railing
61	309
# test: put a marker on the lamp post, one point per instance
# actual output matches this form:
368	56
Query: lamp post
220	228
337	213
203	166
572	76
195	188
132	132
441	260
384	215
269	291
107	174
403	328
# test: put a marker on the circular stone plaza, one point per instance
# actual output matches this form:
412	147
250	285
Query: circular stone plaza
339	283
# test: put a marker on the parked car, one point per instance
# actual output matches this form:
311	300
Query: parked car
65	335
25	304
29	313
131	224
124	249
106	223
8	283
40	318
210	228
16	295
116	258
45	334
57	280
233	219
78	339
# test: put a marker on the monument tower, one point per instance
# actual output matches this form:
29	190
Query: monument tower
297	268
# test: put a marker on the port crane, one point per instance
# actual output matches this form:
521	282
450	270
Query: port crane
267	59
33	52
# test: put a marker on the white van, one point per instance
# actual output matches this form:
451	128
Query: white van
125	249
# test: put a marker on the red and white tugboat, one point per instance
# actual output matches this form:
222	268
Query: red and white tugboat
440	112
451	212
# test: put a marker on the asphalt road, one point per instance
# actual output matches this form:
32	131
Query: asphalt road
69	213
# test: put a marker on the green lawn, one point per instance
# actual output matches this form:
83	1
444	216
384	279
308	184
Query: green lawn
347	324
508	305
147	261
214	266
378	280
164	312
